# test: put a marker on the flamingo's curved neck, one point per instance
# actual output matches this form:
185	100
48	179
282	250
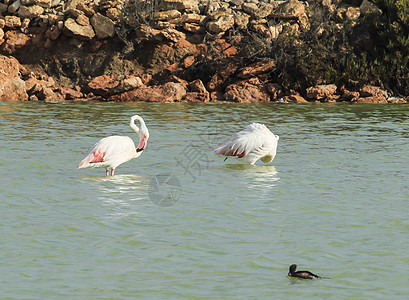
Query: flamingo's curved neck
143	132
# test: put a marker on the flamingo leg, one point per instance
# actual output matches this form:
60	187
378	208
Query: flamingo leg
112	172
107	172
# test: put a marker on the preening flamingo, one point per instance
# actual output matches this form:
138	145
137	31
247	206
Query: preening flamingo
114	150
254	142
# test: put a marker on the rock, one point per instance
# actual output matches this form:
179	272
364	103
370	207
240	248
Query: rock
189	61
197	97
1	36
53	32
114	14
275	31
102	85
48	95
14	7
352	13
322	92
12	21
221	24
367	8
294	99
186	5
173	35
104	27
373	91
42	3
258	12
194	28
127	84
3	8
70	94
241	20
12	87
191	18
34	85
169	92
175	90
256	69
349	96
71	4
30	12
197	86
88	11
250	8
291	9
14	41
80	31
166	15
82	20
246	91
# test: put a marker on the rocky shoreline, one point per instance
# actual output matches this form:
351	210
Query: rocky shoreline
55	50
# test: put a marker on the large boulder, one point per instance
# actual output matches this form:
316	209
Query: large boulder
12	87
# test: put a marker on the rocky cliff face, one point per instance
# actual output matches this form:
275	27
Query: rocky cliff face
164	51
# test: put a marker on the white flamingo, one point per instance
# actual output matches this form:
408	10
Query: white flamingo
114	150
254	142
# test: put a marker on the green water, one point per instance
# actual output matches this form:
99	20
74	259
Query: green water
334	201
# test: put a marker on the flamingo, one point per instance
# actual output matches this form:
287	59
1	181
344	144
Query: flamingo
114	150
254	142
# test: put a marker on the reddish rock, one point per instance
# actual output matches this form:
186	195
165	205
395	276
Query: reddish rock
322	92
146	78
216	96
197	97
373	91
14	40
188	61
102	85
256	69
70	94
217	80
12	87
48	95
169	92
246	91
197	86
32	82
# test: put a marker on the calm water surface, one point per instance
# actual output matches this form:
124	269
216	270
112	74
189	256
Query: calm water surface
334	201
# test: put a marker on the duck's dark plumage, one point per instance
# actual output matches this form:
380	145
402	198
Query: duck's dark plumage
301	274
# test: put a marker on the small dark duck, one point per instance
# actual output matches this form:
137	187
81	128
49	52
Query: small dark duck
301	274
